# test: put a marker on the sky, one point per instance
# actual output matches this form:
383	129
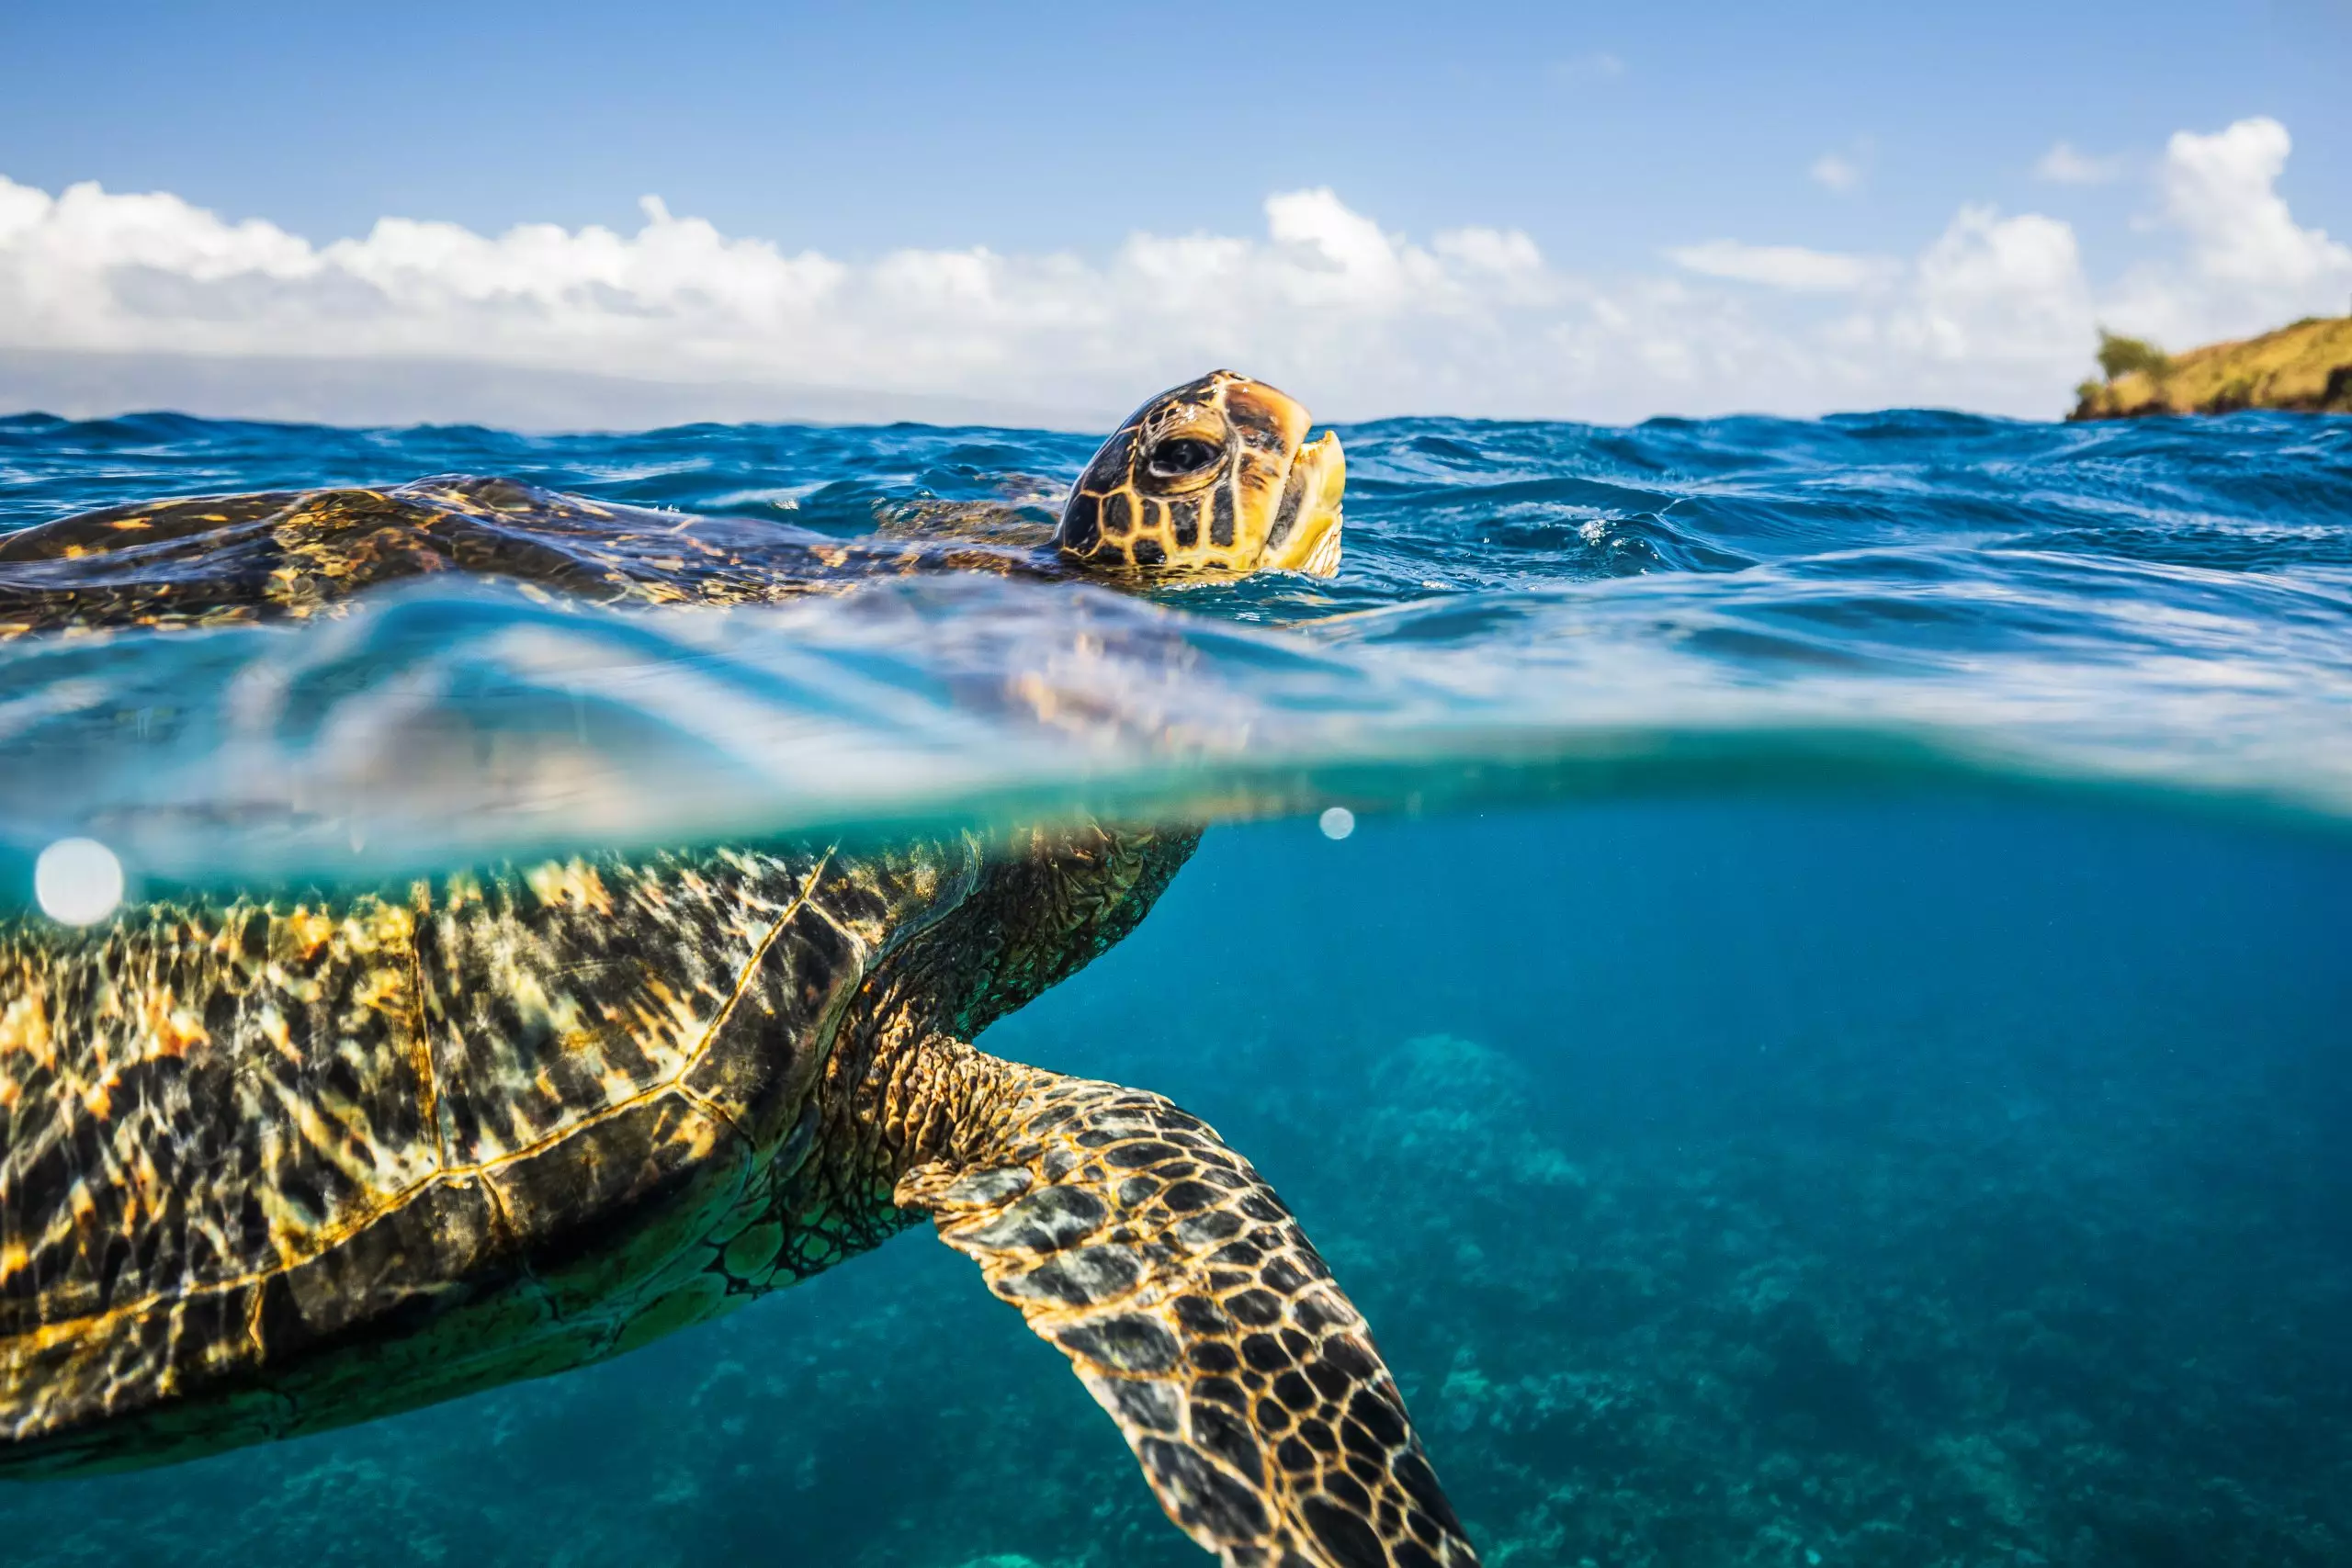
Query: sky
1560	210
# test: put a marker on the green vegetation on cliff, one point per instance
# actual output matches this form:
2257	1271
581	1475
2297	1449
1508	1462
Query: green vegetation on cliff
2307	366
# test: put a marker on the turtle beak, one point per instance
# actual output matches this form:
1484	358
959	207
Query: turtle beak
1320	474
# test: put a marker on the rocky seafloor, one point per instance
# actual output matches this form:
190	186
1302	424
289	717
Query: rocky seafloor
1763	1182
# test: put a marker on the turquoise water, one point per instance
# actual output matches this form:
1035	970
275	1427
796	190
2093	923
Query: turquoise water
1827	1044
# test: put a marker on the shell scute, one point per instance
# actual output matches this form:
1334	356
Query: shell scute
503	1115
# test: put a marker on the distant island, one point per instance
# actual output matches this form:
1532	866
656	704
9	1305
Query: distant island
2307	366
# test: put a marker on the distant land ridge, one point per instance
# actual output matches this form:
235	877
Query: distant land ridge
2306	367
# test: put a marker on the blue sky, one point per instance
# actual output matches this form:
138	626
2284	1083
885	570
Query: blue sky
1609	136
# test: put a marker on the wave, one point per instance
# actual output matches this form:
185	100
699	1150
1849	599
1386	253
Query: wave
1524	610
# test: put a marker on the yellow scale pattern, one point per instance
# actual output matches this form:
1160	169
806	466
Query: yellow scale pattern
239	1130
1229	516
1201	1319
226	561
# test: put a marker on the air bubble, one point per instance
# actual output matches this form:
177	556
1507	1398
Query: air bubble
77	882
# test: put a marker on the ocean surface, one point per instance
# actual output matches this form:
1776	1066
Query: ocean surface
1829	1041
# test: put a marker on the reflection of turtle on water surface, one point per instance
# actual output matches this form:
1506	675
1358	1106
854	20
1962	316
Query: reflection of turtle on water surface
275	1164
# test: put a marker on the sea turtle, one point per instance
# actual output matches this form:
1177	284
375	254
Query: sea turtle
278	1163
1212	477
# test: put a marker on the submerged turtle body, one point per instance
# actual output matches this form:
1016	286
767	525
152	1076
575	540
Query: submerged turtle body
277	1163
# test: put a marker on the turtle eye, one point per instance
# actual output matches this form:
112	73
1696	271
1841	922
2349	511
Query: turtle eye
1185	455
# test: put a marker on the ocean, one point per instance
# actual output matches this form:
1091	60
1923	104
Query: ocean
1823	1037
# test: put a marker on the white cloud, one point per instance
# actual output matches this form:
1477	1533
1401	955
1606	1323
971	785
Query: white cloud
1837	172
1791	268
2248	264
1996	290
2219	189
1994	313
2063	164
678	300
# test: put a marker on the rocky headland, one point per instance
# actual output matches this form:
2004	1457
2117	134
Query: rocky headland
2305	366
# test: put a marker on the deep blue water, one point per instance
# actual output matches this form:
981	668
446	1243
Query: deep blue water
1828	1044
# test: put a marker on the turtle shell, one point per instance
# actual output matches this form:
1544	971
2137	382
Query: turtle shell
445	1134
474	1129
212	560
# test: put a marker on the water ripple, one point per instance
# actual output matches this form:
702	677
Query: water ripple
2165	603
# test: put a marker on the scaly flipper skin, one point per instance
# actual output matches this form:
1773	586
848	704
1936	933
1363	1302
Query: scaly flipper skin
1198	1315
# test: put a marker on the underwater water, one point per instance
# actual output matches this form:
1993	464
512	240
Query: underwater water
1829	1042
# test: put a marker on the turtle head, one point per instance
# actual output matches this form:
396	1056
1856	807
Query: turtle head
1214	475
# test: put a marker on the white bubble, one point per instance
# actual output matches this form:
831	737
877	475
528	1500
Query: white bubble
77	881
1337	822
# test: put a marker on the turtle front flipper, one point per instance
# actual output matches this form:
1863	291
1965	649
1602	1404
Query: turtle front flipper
1198	1315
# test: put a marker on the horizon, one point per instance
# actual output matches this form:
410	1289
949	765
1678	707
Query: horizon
556	405
1554	214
